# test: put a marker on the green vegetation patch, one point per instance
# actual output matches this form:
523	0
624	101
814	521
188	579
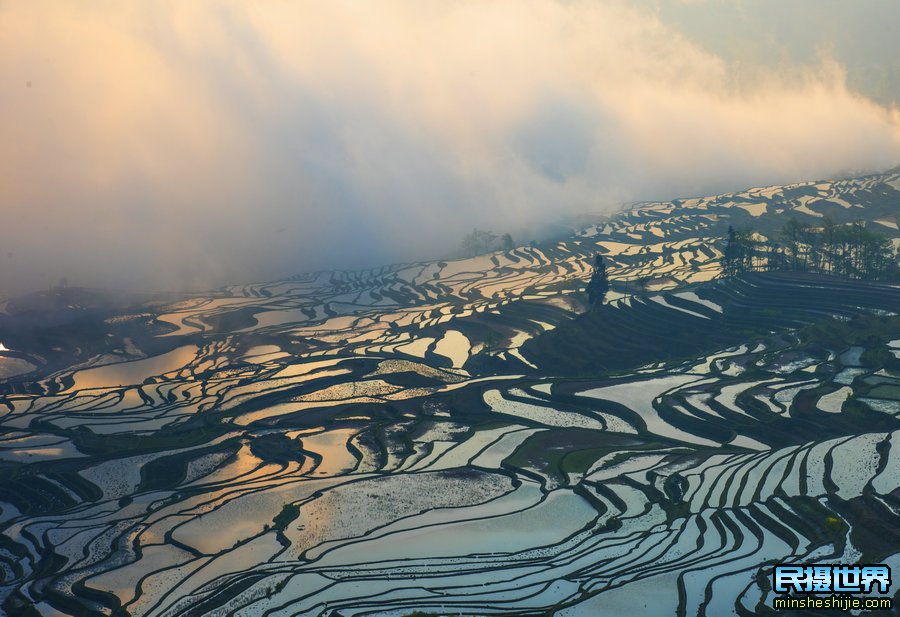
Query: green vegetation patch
886	391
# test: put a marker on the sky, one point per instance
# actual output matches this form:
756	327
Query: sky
185	145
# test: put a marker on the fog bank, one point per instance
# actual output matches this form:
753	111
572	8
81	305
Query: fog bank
174	145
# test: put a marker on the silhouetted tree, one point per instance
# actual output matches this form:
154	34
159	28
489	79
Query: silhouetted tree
730	248
599	283
481	241
844	250
742	253
478	242
793	234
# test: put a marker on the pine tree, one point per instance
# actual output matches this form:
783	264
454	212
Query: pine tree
730	259
599	283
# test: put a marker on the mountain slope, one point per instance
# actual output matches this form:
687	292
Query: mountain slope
457	437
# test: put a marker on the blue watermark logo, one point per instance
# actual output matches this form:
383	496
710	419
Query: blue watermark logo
831	579
840	582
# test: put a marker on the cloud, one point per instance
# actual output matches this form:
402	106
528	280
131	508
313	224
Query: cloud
183	145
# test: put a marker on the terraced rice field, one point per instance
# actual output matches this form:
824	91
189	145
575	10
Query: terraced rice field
455	438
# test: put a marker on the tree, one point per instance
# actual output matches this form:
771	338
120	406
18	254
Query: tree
599	283
849	250
481	241
742	253
728	260
794	234
478	242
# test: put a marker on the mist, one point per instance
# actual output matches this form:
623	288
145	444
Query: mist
176	146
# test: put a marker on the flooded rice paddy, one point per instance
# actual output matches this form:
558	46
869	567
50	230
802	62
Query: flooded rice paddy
404	439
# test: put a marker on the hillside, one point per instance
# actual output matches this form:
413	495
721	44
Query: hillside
459	437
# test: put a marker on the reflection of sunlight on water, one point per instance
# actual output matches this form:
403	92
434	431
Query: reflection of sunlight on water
303	368
122	581
33	454
244	464
547	522
263	353
375	484
455	346
11	367
639	396
131	373
332	447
